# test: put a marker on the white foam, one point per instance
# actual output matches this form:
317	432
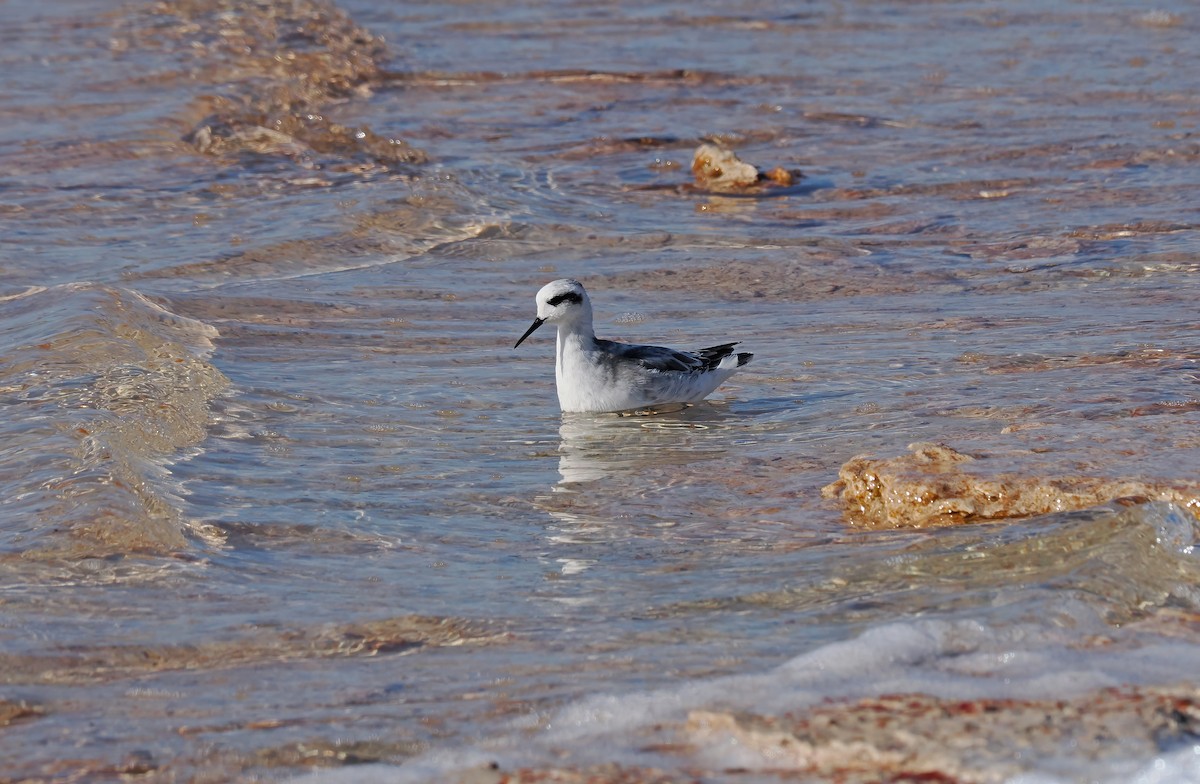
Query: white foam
1181	766
947	659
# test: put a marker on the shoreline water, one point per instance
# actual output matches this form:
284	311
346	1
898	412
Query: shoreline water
280	498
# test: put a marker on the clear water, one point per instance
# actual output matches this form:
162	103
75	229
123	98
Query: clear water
273	479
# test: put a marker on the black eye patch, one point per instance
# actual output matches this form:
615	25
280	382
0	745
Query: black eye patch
570	296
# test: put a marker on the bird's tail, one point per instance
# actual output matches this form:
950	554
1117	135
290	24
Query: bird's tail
731	361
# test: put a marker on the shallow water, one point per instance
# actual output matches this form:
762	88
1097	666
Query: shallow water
277	492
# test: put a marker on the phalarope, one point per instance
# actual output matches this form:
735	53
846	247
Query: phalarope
595	375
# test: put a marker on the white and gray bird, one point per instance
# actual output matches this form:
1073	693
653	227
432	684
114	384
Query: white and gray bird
595	375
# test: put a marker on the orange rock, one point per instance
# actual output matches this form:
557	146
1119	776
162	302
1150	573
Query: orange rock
936	485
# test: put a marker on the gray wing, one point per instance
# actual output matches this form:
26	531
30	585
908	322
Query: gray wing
668	359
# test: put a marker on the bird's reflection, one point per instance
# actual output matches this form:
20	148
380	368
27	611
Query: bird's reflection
607	460
603	446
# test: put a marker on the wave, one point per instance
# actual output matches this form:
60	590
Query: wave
103	391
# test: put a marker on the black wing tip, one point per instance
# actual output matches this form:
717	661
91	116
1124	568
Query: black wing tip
744	358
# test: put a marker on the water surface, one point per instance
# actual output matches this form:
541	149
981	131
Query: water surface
278	494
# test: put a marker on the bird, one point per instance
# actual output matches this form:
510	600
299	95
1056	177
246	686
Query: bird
600	376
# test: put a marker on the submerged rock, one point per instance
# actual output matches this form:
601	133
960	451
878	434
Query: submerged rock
303	137
281	67
910	737
937	485
917	737
252	647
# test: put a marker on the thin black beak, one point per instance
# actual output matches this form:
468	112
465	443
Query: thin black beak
537	322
